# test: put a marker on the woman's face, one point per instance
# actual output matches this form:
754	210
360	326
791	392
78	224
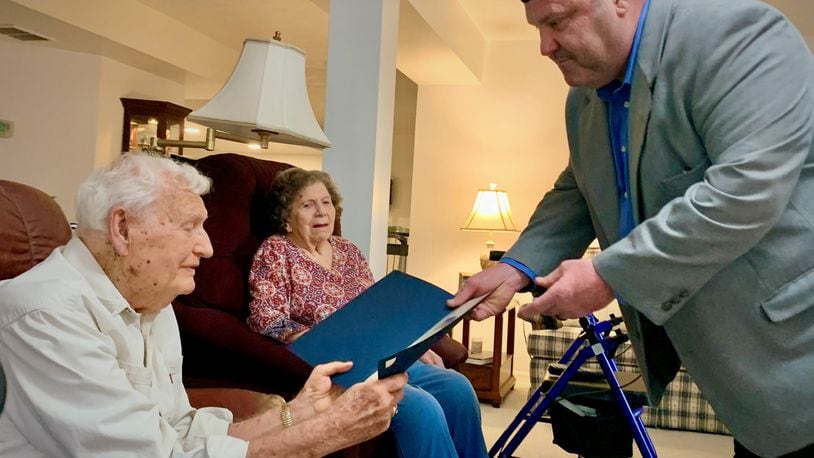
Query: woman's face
312	215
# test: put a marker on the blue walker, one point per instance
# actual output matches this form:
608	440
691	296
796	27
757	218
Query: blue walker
600	340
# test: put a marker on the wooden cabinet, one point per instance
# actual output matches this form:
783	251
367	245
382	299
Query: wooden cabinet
493	381
144	119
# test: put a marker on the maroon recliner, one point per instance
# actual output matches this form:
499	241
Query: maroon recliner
31	226
219	348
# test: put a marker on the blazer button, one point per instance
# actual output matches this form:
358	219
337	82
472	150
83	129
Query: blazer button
667	306
683	294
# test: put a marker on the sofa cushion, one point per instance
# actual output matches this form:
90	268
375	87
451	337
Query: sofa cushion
682	406
551	344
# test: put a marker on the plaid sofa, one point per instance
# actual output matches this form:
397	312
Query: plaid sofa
682	406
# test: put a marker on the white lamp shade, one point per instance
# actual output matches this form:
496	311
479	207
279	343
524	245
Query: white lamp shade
491	212
266	91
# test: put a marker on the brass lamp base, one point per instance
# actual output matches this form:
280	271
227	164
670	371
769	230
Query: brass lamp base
485	262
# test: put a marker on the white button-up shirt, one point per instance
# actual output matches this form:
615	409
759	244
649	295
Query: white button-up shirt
89	376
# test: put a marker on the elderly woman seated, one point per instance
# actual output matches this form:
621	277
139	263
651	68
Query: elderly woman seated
302	273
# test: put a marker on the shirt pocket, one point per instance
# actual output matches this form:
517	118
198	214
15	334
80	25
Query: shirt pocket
174	366
139	376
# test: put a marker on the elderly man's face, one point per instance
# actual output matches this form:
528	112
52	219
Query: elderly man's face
589	40
166	244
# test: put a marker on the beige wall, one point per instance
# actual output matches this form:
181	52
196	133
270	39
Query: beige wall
52	97
68	117
118	80
511	131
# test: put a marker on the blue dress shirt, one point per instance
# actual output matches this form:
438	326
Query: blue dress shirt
616	95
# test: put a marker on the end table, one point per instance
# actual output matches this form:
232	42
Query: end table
493	381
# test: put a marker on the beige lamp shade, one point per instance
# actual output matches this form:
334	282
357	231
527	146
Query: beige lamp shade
491	212
266	93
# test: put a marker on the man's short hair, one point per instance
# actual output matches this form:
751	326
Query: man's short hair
133	181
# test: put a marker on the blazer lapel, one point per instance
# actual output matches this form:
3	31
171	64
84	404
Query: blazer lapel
597	167
647	64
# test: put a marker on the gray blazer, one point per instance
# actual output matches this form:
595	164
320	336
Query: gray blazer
720	271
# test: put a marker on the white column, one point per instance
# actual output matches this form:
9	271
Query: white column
359	118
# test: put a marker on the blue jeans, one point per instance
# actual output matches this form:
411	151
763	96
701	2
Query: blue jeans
439	416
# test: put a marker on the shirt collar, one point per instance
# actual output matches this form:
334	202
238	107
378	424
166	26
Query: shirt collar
78	255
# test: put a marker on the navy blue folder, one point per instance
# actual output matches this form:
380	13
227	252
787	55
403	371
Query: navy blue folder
383	331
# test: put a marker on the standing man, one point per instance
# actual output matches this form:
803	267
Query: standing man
92	352
690	131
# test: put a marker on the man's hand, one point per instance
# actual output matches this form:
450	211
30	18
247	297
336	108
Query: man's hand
334	422
432	358
362	412
500	281
319	392
573	290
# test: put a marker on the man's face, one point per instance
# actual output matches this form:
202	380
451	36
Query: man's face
165	245
589	40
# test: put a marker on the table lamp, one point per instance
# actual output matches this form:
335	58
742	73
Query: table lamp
491	213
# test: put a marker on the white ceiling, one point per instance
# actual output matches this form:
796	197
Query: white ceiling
440	41
304	23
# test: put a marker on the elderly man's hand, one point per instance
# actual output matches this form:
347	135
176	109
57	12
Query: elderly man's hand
319	392
574	289
364	410
323	421
500	282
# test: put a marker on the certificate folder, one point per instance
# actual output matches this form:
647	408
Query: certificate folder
384	330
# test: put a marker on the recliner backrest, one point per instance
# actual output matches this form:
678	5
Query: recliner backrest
239	186
31	226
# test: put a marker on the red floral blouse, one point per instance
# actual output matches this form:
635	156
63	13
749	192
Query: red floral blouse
291	292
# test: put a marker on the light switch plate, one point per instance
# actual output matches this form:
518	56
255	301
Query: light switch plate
6	128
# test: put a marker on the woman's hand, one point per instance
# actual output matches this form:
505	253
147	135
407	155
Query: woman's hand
295	336
432	358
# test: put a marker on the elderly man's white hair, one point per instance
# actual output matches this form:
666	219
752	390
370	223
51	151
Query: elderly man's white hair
134	181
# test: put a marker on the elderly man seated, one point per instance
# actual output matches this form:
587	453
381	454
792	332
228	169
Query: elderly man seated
92	353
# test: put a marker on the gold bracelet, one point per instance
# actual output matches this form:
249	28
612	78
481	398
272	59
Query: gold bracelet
285	415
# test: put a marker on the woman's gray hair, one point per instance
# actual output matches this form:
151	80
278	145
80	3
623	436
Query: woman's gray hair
133	181
283	192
